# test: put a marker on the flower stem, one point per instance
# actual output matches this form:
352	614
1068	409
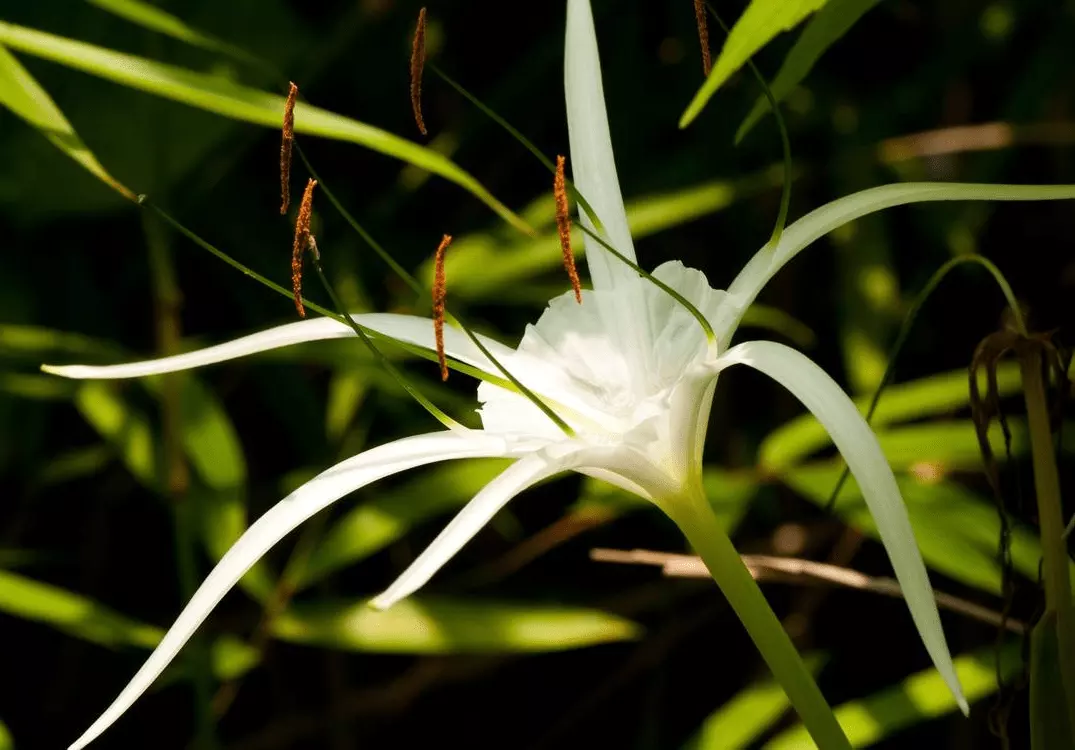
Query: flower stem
1050	519
695	518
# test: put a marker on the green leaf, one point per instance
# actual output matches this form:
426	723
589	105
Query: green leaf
421	625
823	30
6	740
223	96
90	621
22	94
760	22
126	429
484	265
920	697
748	715
153	18
956	530
1050	727
390	514
936	394
73	614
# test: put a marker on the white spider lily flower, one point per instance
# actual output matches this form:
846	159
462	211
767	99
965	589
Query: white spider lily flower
630	370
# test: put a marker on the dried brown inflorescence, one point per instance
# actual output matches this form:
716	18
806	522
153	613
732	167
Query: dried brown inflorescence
703	35
440	293
303	240
287	140
418	61
563	226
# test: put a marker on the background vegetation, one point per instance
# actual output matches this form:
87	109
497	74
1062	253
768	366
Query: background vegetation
117	497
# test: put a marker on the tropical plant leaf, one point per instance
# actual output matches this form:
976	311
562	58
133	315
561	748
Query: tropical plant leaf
748	715
155	19
760	22
956	530
919	698
90	621
821	32
930	396
22	94
223	96
428	625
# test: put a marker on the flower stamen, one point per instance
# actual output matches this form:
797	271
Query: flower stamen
303	239
703	35
563	226
418	61
287	140
440	293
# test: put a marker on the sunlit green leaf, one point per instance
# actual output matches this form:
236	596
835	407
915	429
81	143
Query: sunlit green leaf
926	397
920	697
88	620
957	530
820	33
127	430
22	94
483	265
760	22
71	613
748	715
155	19
427	625
215	93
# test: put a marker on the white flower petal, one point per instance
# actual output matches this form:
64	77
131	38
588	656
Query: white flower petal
859	447
524	473
318	493
821	221
406	328
593	167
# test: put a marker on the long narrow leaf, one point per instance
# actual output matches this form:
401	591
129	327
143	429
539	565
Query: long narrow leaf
760	22
421	625
22	94
820	33
921	697
224	96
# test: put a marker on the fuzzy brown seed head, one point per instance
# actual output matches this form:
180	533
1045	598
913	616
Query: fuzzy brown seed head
303	239
418	61
287	139
563	227
440	293
703	35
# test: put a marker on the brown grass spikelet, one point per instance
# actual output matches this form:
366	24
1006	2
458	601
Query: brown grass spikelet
440	293
563	227
703	35
302	241
287	140
418	61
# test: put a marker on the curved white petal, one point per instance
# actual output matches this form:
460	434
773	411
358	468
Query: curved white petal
524	473
409	329
318	493
821	221
593	170
593	167
859	447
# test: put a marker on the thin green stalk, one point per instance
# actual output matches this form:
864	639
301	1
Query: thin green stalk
1050	518
908	323
695	518
166	302
404	383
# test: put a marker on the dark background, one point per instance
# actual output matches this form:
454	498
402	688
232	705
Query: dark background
74	259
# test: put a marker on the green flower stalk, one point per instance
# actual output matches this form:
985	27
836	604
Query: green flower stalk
631	372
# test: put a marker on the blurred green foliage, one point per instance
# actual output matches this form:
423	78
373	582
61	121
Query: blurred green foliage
161	99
